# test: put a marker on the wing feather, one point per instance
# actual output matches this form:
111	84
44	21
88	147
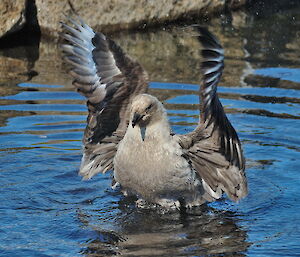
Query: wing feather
109	79
214	148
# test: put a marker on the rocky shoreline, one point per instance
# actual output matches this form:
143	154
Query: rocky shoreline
104	15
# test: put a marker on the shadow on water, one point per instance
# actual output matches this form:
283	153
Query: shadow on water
47	210
152	233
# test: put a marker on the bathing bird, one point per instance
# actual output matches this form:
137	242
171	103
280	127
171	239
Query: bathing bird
128	131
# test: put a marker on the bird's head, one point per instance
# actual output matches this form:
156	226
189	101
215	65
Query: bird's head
145	109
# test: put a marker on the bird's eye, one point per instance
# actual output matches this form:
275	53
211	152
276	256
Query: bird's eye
149	107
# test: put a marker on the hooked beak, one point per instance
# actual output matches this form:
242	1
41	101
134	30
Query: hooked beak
136	118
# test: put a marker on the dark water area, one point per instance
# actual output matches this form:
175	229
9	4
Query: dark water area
46	210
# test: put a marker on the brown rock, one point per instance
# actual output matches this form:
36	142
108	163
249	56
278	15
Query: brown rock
111	15
170	55
12	69
12	72
173	55
234	4
49	66
12	16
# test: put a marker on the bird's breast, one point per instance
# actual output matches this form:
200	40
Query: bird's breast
152	167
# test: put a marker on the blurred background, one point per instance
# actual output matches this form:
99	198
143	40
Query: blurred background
46	210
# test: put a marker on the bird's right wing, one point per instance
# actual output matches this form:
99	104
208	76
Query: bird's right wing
109	79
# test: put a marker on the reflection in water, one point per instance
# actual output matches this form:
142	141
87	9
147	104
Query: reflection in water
150	233
46	209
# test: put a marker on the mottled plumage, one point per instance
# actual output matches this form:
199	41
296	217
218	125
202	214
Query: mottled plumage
128	130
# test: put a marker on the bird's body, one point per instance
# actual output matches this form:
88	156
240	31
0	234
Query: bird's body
128	130
158	151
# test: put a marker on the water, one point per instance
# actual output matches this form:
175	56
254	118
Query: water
46	210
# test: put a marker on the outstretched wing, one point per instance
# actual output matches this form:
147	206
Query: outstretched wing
109	79
213	148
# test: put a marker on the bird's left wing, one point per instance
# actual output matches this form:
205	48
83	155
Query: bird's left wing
213	148
109	79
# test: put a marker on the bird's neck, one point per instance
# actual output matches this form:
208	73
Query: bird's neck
158	130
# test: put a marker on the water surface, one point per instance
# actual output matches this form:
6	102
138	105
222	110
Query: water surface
47	210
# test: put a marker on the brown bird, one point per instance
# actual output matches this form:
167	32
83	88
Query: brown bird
128	130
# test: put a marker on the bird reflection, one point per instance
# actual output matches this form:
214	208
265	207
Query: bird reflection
148	232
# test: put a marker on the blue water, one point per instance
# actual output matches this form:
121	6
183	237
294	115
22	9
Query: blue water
47	210
282	73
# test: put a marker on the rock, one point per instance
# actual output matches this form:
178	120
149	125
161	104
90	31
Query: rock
12	72
111	15
12	69
234	4
49	66
173	55
12	16
168	55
